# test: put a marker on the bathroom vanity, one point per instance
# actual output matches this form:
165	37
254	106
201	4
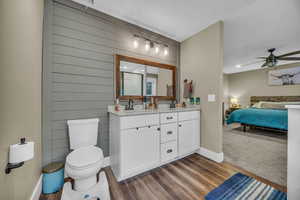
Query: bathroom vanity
142	140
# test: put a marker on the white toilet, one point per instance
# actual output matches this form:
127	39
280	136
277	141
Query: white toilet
84	162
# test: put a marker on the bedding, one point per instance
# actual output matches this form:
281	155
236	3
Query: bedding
271	118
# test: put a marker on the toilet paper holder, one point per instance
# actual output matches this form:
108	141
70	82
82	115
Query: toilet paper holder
11	166
15	165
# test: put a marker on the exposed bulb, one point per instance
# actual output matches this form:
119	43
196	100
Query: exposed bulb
156	48
136	42
166	50
147	45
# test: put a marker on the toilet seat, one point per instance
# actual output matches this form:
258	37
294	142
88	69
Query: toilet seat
85	157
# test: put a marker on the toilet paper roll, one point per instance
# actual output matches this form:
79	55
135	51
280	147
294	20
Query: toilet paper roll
21	152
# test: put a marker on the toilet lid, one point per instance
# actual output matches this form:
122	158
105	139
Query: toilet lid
84	156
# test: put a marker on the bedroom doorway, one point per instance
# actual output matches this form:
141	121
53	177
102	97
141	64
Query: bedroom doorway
255	148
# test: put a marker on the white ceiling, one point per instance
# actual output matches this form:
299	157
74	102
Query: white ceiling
250	26
262	25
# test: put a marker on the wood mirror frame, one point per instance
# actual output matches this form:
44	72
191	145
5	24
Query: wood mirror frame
119	58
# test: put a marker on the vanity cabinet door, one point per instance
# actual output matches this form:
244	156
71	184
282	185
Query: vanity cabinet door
139	149
188	136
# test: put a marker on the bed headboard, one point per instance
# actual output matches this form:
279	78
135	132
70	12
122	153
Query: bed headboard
255	99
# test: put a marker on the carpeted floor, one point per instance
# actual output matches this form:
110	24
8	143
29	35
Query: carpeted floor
261	152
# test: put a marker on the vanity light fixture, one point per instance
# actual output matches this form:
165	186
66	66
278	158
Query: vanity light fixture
166	50
149	44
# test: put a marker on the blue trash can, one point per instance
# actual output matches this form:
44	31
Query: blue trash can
53	177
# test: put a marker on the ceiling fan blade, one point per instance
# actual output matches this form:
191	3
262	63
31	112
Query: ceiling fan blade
264	65
289	54
289	58
261	57
251	63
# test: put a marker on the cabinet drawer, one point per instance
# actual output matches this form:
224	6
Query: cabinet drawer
182	116
168	117
168	132
139	121
168	151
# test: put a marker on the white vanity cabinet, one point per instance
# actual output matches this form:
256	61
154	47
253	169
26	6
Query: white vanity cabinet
168	136
134	144
139	149
143	141
188	132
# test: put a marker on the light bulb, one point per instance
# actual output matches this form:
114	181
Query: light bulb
147	45
238	66
156	48
136	42
166	50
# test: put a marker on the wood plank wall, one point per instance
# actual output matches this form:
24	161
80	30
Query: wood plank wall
78	69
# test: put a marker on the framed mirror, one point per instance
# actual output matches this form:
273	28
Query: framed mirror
137	78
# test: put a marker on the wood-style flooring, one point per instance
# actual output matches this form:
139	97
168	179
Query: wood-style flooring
189	178
186	179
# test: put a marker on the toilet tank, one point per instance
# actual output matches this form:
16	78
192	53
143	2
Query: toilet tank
83	132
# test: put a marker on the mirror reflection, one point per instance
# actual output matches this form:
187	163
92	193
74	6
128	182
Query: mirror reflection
137	78
142	80
158	82
132	79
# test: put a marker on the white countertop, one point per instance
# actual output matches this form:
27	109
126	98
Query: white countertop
153	111
292	106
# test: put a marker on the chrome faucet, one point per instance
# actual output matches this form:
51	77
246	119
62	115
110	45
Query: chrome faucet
173	104
129	106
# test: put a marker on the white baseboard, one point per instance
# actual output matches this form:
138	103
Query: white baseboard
106	161
37	189
217	157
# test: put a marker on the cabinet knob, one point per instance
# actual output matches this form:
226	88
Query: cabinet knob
158	129
137	128
179	125
169	132
169	151
149	126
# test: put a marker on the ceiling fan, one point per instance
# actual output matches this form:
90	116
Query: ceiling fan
272	60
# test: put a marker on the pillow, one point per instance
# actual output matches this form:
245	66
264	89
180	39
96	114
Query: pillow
259	104
270	105
256	105
291	103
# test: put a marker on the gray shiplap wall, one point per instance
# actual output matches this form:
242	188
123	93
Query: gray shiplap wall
78	69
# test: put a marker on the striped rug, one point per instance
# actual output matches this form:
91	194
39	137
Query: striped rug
240	186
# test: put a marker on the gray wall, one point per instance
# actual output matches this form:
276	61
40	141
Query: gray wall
78	82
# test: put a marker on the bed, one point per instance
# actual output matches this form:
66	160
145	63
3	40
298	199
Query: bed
273	117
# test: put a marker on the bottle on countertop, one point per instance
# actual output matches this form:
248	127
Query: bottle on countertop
117	105
145	102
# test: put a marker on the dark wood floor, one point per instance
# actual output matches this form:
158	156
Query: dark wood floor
186	179
189	178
